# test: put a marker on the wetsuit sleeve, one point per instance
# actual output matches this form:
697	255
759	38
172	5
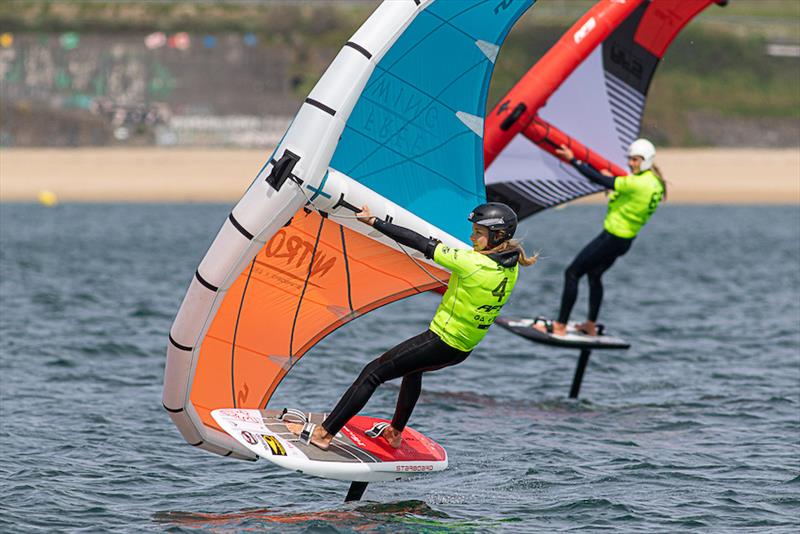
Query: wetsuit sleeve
592	174
407	237
453	259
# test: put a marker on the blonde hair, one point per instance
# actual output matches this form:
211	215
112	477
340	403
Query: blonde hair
661	179
513	244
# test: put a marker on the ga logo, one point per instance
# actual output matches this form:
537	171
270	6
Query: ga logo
274	445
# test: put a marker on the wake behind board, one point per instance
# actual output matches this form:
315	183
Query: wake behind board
573	338
352	456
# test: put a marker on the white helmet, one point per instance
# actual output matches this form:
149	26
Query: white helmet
644	149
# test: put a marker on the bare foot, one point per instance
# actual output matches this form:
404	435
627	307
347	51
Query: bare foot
320	437
589	328
393	437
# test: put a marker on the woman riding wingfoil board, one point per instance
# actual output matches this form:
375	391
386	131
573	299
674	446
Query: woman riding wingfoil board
480	284
633	200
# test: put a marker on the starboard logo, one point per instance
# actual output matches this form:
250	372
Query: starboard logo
414	468
297	252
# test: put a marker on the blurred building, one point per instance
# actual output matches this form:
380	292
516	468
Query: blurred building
166	89
730	79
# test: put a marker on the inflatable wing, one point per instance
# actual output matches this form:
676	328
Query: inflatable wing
588	92
395	122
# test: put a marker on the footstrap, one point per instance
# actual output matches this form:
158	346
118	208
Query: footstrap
376	430
548	324
297	415
307	432
600	328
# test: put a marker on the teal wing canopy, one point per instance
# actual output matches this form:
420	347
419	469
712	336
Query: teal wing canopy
416	134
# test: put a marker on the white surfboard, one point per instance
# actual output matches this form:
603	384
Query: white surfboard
353	454
574	338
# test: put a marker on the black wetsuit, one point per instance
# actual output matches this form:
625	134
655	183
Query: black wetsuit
409	359
593	260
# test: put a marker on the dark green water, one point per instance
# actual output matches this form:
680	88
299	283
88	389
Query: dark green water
696	427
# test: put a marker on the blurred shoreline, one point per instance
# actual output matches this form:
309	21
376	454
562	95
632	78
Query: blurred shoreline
736	176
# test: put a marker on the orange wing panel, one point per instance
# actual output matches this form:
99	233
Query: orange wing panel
312	277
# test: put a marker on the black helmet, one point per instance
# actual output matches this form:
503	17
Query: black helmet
498	218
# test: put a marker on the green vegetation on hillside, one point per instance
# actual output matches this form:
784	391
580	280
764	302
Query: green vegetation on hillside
723	75
271	20
717	67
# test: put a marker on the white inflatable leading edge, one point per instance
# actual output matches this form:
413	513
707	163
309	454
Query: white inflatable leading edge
312	138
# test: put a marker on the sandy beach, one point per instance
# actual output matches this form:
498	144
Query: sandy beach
222	175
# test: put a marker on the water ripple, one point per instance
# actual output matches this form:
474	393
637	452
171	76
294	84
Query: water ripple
695	427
